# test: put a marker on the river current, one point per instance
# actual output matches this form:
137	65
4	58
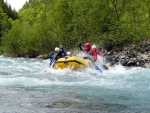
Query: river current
30	86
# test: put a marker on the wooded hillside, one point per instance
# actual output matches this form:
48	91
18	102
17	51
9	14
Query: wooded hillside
44	24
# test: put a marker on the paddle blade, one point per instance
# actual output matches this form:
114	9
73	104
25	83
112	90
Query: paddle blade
97	68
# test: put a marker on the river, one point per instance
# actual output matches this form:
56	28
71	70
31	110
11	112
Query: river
29	86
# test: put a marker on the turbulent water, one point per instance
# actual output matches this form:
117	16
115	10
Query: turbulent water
29	86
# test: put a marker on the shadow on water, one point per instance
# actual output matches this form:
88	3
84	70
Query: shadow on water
74	106
82	104
77	103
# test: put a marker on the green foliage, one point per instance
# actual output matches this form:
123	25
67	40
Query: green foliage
6	17
8	10
5	24
44	24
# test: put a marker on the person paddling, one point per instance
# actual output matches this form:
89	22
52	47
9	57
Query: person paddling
94	52
87	47
60	52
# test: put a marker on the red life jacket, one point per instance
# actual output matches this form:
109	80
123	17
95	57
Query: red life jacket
95	52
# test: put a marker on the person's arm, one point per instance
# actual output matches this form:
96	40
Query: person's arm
99	53
81	48
95	56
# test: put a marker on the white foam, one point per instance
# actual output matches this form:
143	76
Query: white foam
34	72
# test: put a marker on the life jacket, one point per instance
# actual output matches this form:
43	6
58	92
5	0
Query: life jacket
61	53
94	53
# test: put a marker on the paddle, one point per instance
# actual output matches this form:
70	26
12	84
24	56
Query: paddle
96	67
53	61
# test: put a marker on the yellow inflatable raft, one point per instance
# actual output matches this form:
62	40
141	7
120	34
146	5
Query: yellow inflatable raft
72	62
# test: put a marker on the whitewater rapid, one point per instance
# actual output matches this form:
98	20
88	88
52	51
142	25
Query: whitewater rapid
29	85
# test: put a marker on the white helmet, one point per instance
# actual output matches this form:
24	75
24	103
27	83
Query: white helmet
56	49
94	46
68	53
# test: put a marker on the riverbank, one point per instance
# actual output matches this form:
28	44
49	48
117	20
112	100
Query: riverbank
133	55
137	54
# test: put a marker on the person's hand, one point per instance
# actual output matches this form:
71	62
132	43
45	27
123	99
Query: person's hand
80	45
94	61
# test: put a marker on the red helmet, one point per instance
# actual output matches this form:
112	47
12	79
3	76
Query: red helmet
87	45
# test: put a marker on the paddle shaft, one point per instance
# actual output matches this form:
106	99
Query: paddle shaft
53	61
89	57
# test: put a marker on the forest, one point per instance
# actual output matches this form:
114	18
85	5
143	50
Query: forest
41	25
